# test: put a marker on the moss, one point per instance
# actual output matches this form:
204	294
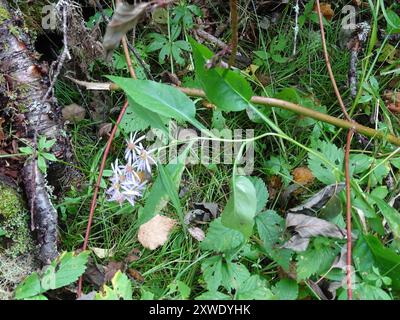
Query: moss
18	235
4	14
10	203
16	239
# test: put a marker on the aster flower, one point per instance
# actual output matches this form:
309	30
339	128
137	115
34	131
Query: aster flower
118	172
144	160
129	171
133	190
126	182
116	195
131	150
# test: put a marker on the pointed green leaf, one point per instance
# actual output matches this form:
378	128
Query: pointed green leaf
241	208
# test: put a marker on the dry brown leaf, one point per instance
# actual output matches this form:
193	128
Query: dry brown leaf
274	185
134	255
303	175
105	129
326	10
136	275
125	17
155	232
111	268
307	227
73	113
197	233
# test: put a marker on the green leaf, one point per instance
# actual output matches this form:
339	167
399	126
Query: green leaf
41	163
221	239
48	281
241	208
159	196
106	294
270	228
218	120
212	272
228	90
70	268
122	285
49	156
380	170
38	297
261	192
254	288
184	289
392	19
391	215
220	272
385	259
359	163
146	295
365	291
171	188
213	295
233	275
162	99
315	260
323	172
29	287
286	289
26	150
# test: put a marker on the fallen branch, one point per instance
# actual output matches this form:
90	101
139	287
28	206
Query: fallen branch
272	102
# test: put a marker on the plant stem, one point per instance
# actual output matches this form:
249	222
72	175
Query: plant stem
309	113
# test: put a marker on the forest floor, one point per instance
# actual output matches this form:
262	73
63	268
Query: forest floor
256	205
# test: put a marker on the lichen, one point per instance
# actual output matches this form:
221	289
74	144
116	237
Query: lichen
4	14
13	271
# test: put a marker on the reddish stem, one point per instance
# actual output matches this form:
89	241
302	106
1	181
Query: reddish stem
97	187
348	215
347	171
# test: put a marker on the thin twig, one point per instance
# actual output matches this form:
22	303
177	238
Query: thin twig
328	64
348	143
348	215
235	35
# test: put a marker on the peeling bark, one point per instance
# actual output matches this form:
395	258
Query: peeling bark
27	84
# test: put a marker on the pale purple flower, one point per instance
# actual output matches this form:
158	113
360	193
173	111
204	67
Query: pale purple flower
131	150
126	183
144	161
130	171
132	190
116	195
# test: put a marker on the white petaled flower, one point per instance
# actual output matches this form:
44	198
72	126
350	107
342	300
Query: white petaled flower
144	161
116	195
130	172
132	190
118	172
131	150
126	182
117	179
